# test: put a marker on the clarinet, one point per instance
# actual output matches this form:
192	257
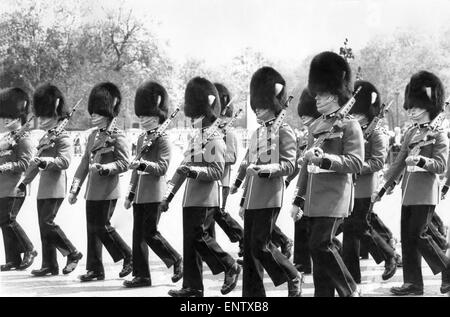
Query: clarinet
105	145
178	179
374	124
48	141
11	139
340	114
277	123
159	132
434	125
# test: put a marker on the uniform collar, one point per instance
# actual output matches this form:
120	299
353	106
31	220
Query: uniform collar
269	122
152	131
422	125
329	116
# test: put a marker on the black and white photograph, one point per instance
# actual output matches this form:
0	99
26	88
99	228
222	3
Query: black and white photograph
227	149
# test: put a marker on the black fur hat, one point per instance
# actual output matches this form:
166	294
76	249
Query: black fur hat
101	100
367	101
151	100
330	72
307	105
201	98
267	90
225	97
44	102
425	90
14	103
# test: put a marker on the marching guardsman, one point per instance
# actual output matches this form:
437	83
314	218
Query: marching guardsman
230	226
105	157
307	111
325	185
148	185
202	171
15	156
423	153
357	227
50	107
269	161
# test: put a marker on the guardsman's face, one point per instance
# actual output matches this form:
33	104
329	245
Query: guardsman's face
416	113
324	101
8	124
99	121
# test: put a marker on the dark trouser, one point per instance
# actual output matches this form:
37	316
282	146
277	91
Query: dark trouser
230	226
145	232
302	255
437	231
198	245
417	243
100	231
14	237
52	237
380	227
260	253
278	237
358	229
329	270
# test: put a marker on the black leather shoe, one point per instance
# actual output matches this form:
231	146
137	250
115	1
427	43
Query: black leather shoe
72	262
46	271
186	292
240	262
390	268
28	259
9	266
138	282
177	270
127	267
295	286
286	249
231	278
241	248
407	289
91	275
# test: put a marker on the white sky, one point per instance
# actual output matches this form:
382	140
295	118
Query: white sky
216	30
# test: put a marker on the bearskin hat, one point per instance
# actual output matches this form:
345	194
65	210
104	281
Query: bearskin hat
367	101
201	98
307	105
267	90
225	97
14	104
425	90
44	102
151	100
330	72
105	100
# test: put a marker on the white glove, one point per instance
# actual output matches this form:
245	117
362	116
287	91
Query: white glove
127	203
412	160
72	198
296	213
252	170
242	212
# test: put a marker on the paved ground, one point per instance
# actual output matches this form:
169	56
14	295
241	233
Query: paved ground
72	221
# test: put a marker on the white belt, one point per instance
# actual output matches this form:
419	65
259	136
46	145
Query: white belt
142	173
415	169
314	169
